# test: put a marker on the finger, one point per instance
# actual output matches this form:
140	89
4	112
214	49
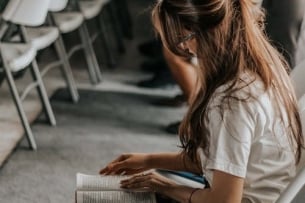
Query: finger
123	171
109	165
134	171
129	171
148	181
118	168
149	184
139	184
135	179
107	171
125	166
120	158
104	170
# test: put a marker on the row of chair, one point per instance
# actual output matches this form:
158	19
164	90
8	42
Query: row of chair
33	25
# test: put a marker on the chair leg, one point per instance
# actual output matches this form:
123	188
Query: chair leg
21	112
93	67
66	69
92	53
42	93
106	41
116	29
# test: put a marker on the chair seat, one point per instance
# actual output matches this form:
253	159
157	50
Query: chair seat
17	56
42	37
90	9
68	21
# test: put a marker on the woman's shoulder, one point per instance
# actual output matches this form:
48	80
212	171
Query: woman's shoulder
248	88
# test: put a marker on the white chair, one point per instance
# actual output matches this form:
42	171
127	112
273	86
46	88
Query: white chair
297	76
17	56
42	37
69	21
298	182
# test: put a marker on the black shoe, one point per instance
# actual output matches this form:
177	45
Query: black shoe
173	128
177	101
151	48
2	76
154	66
162	79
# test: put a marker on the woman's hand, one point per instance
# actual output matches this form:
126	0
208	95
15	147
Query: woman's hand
127	164
150	181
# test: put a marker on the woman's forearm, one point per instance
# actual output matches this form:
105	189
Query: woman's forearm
173	161
225	188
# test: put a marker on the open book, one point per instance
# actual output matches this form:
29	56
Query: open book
106	189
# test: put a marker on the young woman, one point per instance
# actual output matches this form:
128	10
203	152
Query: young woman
242	131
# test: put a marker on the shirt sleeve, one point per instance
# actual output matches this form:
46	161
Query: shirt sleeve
231	132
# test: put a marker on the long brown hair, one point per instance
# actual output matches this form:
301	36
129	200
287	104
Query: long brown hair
230	40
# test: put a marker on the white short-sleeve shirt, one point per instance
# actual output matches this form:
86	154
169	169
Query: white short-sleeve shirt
249	141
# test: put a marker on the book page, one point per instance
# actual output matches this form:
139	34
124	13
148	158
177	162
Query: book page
114	197
97	182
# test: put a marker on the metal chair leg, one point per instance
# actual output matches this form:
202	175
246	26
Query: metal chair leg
106	41
42	93
21	112
90	54
66	69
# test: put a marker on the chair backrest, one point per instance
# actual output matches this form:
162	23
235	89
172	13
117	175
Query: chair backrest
26	12
58	5
298	182
298	78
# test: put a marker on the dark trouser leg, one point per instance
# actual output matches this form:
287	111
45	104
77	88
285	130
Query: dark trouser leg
163	199
283	23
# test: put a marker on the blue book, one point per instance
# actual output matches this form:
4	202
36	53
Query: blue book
186	175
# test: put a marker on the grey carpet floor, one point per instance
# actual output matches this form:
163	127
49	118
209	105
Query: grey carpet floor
88	135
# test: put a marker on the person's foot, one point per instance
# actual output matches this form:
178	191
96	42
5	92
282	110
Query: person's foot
151	48
162	79
173	128
177	101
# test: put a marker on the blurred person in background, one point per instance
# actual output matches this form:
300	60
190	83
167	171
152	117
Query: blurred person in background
283	24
